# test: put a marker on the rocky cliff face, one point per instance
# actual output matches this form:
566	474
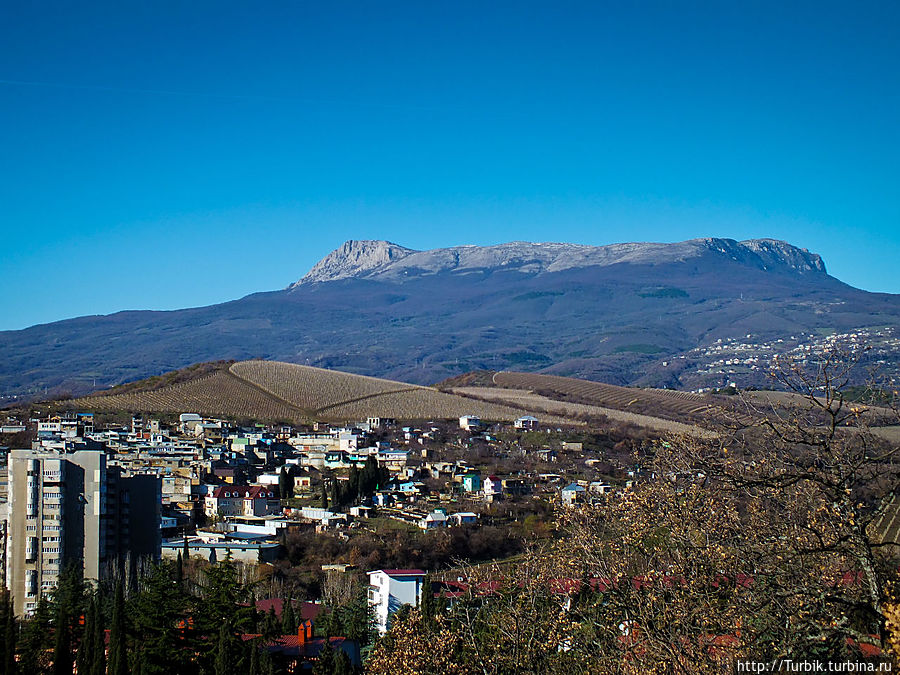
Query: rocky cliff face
355	259
385	261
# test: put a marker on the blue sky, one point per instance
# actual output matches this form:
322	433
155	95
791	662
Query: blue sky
160	155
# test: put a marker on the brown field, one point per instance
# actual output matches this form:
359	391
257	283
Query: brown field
330	394
220	394
274	391
574	411
677	406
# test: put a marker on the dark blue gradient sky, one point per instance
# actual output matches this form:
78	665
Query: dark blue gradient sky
161	155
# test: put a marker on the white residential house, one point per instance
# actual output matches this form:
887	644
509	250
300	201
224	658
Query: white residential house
492	486
526	422
599	487
433	520
391	589
469	422
242	500
572	494
463	518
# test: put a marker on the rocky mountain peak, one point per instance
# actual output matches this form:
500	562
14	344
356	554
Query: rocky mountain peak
354	259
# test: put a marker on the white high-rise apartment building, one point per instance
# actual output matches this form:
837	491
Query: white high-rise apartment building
70	507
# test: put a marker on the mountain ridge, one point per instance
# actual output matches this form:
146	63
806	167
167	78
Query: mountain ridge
658	315
380	259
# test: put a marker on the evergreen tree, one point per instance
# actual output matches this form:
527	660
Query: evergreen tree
4	610
288	618
223	660
62	649
266	663
325	662
35	639
158	612
368	477
427	604
68	606
353	484
7	635
224	603
285	483
342	664
117	663
323	496
10	637
254	657
335	493
98	638
85	657
179	570
271	626
357	619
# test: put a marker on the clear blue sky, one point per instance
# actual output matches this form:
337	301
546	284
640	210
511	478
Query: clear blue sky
162	155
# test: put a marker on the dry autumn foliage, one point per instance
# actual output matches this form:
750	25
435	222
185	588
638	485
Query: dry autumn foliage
756	545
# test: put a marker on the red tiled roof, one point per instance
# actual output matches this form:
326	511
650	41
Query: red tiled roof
306	610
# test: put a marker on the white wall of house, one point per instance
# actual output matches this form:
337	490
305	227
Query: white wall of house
391	589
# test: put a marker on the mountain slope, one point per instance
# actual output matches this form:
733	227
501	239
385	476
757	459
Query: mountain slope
625	314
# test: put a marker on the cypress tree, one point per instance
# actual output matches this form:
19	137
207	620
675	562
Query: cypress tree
254	657
85	657
285	483
223	662
368	478
35	638
427	604
335	493
97	636
179	570
10	636
288	618
266	664
271	627
353	484
325	662
324	496
62	649
342	665
4	611
118	664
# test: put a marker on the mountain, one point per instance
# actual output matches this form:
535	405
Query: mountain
384	261
692	314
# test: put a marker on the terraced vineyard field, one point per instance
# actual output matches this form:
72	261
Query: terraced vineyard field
576	411
671	405
330	394
274	391
221	394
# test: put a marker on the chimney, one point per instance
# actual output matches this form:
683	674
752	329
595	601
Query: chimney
304	631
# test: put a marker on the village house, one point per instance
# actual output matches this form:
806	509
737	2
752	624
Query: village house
572	494
391	589
252	500
526	422
469	422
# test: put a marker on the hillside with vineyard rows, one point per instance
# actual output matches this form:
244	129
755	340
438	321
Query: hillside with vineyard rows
286	392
